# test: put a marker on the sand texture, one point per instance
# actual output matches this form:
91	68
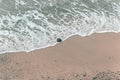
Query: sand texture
96	57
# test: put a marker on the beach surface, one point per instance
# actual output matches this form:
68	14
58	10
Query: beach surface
95	57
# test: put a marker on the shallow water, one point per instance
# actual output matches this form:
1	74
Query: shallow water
26	25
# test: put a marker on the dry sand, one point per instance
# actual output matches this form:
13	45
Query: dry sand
96	57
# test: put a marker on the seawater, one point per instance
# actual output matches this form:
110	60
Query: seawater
26	25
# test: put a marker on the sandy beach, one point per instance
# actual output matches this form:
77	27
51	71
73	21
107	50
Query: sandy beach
96	57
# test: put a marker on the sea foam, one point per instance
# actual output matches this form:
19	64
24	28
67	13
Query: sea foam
26	25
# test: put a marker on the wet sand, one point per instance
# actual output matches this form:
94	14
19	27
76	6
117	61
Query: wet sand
96	57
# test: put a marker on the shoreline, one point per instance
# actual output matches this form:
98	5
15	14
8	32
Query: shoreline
91	56
51	45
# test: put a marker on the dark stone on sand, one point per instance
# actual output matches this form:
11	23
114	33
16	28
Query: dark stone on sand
59	40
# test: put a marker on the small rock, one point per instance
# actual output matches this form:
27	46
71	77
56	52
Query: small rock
59	40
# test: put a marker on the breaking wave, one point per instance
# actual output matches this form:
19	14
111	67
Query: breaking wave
26	25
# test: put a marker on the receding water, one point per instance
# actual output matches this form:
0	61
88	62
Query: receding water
26	25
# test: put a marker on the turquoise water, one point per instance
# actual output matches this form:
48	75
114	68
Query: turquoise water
26	25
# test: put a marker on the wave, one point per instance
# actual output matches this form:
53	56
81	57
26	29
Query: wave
27	25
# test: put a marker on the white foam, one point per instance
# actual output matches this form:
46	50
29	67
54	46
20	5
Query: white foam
36	25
